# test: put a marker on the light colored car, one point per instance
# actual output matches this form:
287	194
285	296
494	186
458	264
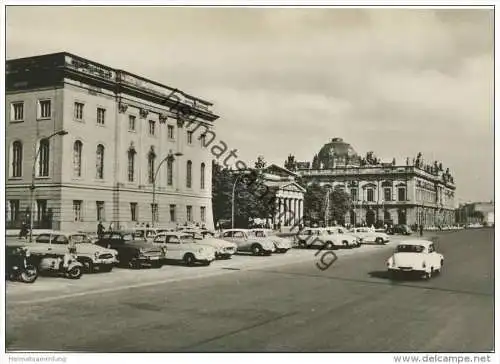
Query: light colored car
370	236
223	249
282	245
246	243
415	256
348	240
92	256
181	246
318	238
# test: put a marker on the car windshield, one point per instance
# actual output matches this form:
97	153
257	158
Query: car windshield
410	249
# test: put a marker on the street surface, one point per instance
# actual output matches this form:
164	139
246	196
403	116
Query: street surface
269	304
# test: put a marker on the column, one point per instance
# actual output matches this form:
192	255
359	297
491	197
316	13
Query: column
301	211
289	211
282	211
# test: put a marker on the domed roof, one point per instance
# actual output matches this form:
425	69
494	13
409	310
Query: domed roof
337	152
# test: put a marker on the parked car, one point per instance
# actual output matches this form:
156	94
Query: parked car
181	246
282	245
19	266
246	243
144	233
318	238
400	229
417	257
348	240
370	236
223	249
92	256
132	253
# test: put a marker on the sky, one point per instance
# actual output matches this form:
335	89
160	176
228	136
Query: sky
288	80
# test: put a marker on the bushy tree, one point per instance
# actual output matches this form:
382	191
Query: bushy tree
315	204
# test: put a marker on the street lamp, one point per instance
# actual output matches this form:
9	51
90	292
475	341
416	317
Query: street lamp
33	175
232	198
170	156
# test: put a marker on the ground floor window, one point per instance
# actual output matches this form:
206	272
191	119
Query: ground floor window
77	210
203	213
133	211
154	212
172	213
13	210
101	216
189	213
41	210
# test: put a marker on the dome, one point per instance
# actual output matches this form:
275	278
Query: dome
337	152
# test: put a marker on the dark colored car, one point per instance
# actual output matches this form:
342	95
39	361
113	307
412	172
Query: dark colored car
401	229
132	252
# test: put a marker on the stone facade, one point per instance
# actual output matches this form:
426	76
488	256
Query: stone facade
121	127
382	192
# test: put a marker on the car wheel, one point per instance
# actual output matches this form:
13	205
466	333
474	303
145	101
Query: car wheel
256	249
75	273
346	244
302	244
379	241
329	245
189	259
30	274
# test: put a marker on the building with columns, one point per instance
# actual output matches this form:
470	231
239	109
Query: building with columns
288	195
391	193
127	157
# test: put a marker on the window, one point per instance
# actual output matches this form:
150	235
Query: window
202	176
41	210
170	129
44	109
354	194
43	158
13	210
189	176
202	139
131	165
370	195
152	125
101	216
101	115
77	210
170	172
17	111
17	159
154	212
172	213
151	167
78	111
99	163
77	158
402	194
133	211
131	122
387	194
202	213
190	137
189	213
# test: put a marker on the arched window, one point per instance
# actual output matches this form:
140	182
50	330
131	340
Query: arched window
17	159
43	158
170	172
202	176
99	163
189	175
151	166
131	164
77	158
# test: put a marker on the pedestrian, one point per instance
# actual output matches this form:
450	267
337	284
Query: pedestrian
421	228
23	233
70	254
110	226
147	225
100	229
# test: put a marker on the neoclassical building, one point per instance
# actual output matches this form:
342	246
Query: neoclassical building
126	158
411	193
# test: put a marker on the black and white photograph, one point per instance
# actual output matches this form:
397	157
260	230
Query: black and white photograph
242	178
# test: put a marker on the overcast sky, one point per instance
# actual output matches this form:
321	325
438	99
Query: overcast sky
394	81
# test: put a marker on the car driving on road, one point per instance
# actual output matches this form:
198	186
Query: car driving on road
348	240
417	257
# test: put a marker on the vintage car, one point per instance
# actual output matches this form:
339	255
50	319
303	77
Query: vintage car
370	236
247	243
181	246
319	238
400	229
144	233
348	240
92	256
282	245
223	249
132	253
417	257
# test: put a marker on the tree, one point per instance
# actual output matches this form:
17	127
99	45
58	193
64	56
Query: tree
222	186
340	202
314	203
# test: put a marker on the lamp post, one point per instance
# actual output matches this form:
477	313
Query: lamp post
170	156
33	176
232	196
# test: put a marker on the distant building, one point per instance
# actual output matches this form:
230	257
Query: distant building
413	193
120	128
476	213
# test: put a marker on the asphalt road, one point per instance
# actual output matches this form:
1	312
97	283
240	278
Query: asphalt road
350	307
